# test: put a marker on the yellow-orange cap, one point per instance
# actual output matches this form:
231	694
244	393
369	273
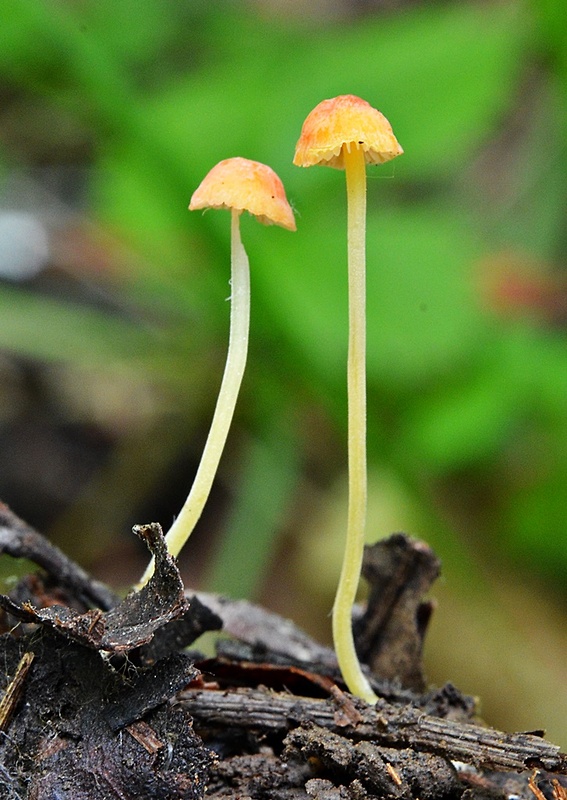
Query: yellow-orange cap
245	186
347	121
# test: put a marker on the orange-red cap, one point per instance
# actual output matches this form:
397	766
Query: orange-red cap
245	186
347	121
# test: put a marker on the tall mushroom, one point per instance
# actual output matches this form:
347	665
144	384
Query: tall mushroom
345	132
240	185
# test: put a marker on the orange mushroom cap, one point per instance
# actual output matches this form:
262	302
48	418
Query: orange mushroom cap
347	121
244	185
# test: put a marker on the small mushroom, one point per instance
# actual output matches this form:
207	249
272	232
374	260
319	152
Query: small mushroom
240	185
345	132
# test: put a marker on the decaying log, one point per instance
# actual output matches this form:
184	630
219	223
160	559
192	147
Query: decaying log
106	702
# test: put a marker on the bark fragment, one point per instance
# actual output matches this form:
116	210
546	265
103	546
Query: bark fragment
389	635
129	624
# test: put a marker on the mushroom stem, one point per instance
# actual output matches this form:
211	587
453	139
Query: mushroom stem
226	402
356	381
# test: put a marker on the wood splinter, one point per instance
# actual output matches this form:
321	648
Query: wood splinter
14	691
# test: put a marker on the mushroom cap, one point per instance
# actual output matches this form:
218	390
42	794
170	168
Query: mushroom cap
347	121
244	185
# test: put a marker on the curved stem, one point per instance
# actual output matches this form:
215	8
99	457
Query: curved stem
356	380
226	402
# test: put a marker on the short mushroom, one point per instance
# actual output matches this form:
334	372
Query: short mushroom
345	132
240	185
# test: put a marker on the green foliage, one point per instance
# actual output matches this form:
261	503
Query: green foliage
52	330
447	76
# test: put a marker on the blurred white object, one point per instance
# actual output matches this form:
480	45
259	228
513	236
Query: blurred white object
24	245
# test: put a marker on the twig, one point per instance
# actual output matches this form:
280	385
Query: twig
14	691
383	724
255	625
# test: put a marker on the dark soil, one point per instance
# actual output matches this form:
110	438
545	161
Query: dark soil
102	699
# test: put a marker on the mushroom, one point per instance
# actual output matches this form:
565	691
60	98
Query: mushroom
345	132
240	185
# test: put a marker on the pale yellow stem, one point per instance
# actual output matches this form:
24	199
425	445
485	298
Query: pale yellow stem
356	381
226	402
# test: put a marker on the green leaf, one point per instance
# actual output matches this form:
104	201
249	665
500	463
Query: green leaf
420	309
440	74
55	330
463	422
264	493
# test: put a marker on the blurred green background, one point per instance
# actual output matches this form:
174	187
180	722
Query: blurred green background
114	320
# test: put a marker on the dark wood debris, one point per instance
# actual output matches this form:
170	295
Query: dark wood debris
101	700
131	622
384	771
385	724
389	635
59	743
